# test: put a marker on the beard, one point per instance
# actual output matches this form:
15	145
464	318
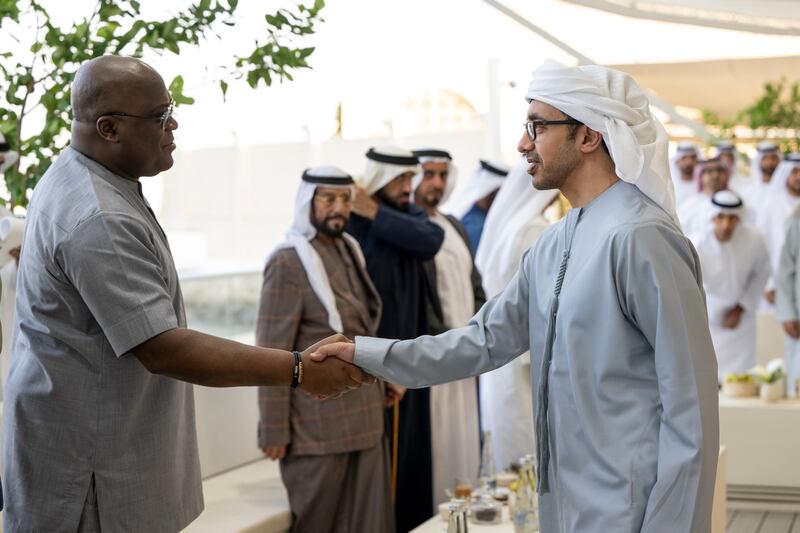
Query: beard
767	172
400	203
723	235
431	198
326	226
687	170
554	174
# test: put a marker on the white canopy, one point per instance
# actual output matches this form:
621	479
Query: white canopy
775	17
725	86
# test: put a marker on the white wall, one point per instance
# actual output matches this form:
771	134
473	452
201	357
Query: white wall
232	205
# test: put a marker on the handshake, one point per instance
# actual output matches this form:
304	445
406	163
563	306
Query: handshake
329	371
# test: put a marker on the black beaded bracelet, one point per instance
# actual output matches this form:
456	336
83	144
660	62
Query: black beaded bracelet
297	373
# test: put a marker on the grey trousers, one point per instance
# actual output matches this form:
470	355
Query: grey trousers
340	493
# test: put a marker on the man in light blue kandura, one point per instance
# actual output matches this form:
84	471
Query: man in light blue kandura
610	303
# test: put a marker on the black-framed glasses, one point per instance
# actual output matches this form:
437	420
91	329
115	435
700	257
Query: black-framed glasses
163	118
531	125
327	199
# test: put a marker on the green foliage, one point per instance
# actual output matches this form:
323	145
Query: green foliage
273	59
42	78
772	110
725	125
776	113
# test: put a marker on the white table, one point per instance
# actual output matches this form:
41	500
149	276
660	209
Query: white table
437	525
763	443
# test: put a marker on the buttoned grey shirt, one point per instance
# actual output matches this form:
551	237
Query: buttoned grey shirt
96	280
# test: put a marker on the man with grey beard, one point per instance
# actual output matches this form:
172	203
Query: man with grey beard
334	455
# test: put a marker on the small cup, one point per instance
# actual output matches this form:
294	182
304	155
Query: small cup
463	488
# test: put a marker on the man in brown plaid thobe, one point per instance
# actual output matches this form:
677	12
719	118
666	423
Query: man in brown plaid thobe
334	455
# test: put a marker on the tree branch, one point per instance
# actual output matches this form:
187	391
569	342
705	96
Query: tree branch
29	111
96	12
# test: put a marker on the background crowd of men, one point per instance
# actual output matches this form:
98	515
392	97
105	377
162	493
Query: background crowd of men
742	229
377	257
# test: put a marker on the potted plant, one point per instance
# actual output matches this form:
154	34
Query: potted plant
770	379
740	386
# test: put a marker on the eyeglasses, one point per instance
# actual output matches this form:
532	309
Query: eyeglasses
328	199
163	118
531	125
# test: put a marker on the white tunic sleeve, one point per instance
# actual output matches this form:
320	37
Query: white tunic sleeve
660	291
497	334
758	277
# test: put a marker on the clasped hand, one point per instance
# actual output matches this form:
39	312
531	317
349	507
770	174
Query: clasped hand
342	350
330	377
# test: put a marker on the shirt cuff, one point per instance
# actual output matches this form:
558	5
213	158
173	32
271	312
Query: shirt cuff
370	354
140	326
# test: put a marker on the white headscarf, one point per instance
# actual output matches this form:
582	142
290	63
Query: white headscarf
487	178
727	147
9	155
384	164
685	148
736	181
303	231
726	202
777	185
610	102
764	147
516	204
434	155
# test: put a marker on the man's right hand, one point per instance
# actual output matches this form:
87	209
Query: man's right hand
346	351
275	452
792	328
330	378
363	204
733	317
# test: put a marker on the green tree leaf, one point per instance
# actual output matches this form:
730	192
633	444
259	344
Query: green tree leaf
115	26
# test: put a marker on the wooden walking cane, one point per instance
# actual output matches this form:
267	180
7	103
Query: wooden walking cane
395	435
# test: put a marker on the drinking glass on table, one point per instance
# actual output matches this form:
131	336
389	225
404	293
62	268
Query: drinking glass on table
486	472
463	488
